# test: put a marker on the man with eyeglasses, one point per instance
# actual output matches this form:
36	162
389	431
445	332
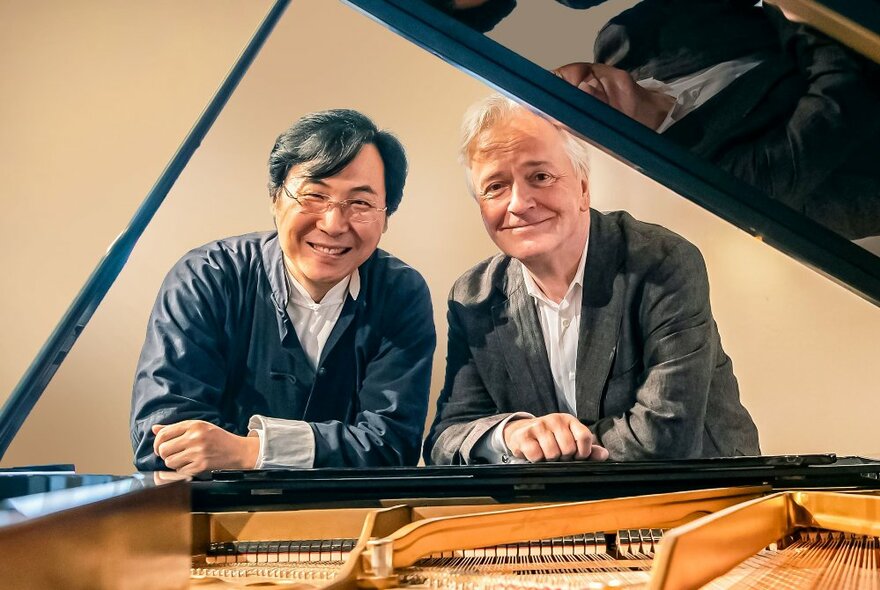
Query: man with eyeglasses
590	337
303	347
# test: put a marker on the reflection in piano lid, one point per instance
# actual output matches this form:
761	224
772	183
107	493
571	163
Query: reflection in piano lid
762	101
491	527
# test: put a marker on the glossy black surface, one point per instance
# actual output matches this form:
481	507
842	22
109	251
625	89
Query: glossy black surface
658	158
30	495
277	489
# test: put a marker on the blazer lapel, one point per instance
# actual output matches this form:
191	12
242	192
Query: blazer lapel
521	342
326	397
601	315
346	316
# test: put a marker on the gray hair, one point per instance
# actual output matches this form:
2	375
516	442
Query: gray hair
494	110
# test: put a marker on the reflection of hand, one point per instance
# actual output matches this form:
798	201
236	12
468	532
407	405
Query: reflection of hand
554	437
616	88
163	477
194	446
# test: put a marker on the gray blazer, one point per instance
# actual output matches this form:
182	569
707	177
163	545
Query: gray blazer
652	382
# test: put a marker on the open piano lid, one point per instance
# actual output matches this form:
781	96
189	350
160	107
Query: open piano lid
856	24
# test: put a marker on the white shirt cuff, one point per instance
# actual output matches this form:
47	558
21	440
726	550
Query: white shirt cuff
491	446
283	443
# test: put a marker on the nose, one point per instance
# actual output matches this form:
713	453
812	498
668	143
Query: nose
334	221
521	199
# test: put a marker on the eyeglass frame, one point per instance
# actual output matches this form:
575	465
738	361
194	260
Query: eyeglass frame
343	207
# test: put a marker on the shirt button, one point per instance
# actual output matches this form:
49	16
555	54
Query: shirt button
565	323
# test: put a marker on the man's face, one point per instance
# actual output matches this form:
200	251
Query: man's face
321	250
534	204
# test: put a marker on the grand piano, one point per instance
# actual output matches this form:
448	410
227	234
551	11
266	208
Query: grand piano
779	519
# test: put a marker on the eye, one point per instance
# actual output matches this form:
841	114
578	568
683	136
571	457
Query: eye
493	190
543	178
359	205
314	198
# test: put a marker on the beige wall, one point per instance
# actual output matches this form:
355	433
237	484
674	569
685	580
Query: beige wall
97	96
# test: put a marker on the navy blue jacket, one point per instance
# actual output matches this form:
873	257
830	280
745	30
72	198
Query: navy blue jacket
220	347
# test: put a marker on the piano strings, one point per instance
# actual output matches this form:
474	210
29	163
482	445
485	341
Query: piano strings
808	559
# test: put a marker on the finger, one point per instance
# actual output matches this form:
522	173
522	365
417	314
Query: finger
566	442
156	429
193	469
592	87
169	431
549	447
179	460
583	438
161	436
163	477
530	450
173	446
573	73
598	453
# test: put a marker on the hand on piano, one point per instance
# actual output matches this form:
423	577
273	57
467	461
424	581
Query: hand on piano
554	437
194	446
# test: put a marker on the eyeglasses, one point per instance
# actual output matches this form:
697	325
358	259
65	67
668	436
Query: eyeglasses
356	210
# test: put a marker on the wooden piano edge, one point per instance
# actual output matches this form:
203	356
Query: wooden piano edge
147	537
138	539
723	526
728	537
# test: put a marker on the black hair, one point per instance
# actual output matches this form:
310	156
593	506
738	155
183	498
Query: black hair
327	141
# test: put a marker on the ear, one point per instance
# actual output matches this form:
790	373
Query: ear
273	201
385	225
584	201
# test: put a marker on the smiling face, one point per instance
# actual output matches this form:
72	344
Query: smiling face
321	250
534	204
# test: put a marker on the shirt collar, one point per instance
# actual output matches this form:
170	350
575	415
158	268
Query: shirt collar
335	296
578	281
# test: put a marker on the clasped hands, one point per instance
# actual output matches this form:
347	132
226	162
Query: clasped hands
554	437
191	447
616	88
194	446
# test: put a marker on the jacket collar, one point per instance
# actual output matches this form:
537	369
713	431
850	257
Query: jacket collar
273	263
519	334
601	315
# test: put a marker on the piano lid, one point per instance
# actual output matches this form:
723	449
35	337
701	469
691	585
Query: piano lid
850	198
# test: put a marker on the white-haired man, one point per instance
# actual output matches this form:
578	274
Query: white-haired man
590	336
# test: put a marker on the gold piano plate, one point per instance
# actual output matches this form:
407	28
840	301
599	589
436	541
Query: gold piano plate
723	538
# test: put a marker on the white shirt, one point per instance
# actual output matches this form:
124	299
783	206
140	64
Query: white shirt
691	91
291	443
560	326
